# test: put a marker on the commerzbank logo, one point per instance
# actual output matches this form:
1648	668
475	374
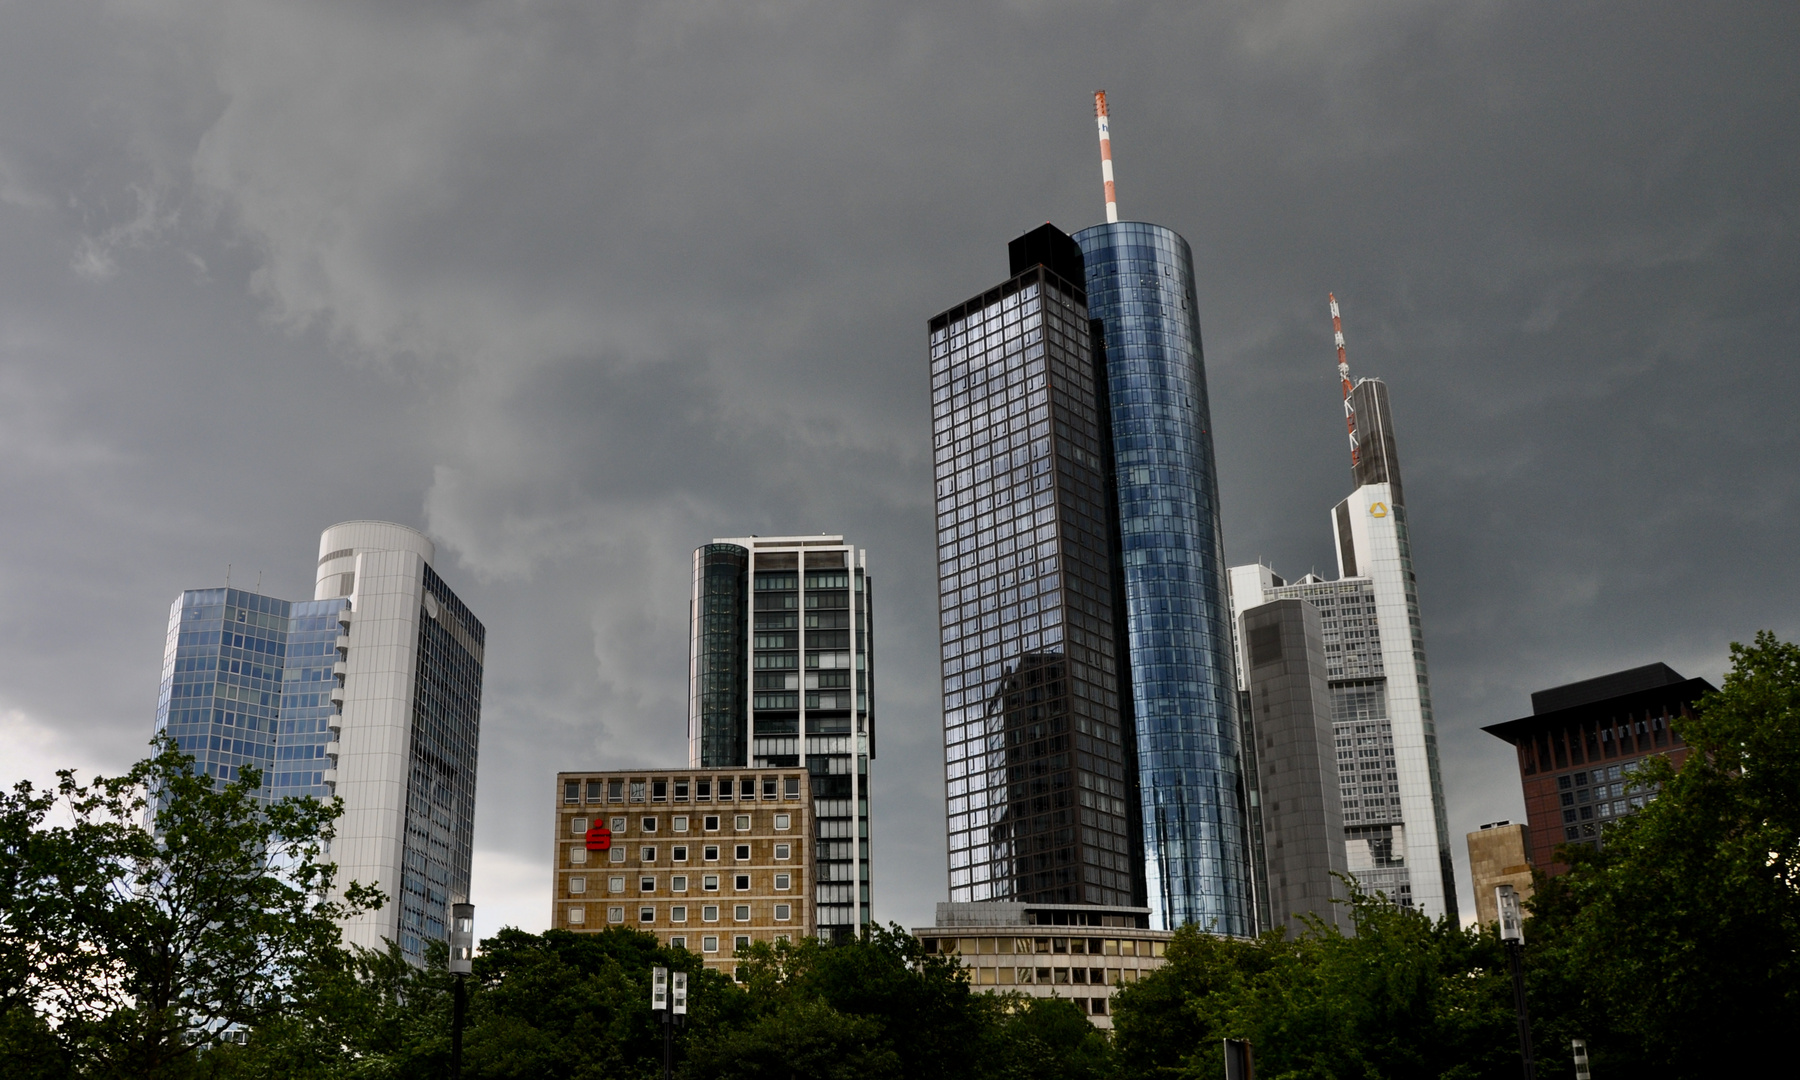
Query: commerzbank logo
1378	509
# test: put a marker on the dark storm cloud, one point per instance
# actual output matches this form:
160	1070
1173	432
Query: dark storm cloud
578	286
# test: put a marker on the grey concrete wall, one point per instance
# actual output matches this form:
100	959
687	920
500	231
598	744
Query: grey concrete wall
1302	811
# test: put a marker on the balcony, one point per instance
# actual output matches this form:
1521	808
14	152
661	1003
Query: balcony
337	696
339	668
332	750
329	778
343	644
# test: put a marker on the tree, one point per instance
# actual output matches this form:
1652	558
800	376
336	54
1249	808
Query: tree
1404	996
1675	950
166	912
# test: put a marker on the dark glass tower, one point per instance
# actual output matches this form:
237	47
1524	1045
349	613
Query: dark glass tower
781	669
1176	606
1038	748
1091	728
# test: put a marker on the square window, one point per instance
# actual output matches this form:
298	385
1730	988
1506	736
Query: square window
637	791
681	790
679	823
782	882
724	787
711	853
741	882
649	824
742	941
615	914
678	853
617	884
783	938
781	851
710	882
679	941
615	791
703	789
615	854
577	856
742	824
709	943
678	913
646	914
791	786
577	916
648	854
709	913
578	826
783	912
782	822
741	912
646	884
618	826
578	885
678	883
571	791
768	786
742	853
712	823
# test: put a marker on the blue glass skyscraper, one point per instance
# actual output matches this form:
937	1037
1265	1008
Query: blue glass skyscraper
1140	286
221	682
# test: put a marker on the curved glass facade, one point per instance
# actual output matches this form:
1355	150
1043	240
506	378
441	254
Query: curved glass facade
1140	285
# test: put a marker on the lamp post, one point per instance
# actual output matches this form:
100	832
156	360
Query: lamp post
668	997
462	956
1512	936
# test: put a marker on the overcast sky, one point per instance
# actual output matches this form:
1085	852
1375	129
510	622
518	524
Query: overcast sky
576	286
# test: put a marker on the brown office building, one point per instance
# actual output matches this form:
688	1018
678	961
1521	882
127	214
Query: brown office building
708	860
1580	746
1499	854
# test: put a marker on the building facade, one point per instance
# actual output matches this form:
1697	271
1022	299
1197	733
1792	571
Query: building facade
370	691
1080	952
1295	764
1040	760
709	861
1390	783
781	670
1091	730
1174	601
1581	745
1499	854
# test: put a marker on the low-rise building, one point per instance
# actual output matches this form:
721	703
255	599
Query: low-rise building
1073	951
1499	854
709	860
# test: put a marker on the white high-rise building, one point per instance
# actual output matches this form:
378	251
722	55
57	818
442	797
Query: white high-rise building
403	751
1395	829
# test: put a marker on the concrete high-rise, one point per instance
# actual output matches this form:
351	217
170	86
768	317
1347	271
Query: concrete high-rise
1091	737
1288	700
370	691
1391	787
781	668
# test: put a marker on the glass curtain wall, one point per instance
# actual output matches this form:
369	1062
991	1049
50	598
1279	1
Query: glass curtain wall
1041	806
1140	287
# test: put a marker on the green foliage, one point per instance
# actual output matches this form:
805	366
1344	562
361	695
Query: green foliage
166	911
1676	950
1402	997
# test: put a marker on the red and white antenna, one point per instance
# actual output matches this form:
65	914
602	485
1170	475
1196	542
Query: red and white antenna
1101	117
1337	330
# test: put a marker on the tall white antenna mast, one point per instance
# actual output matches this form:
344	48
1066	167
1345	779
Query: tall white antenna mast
1101	117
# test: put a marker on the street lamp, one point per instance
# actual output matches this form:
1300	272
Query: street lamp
462	962
1512	936
668	996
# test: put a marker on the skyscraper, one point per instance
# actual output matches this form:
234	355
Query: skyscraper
1174	601
1396	833
1090	722
370	691
781	667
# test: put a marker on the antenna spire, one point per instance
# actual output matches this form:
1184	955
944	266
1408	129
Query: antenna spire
1101	117
1337	331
